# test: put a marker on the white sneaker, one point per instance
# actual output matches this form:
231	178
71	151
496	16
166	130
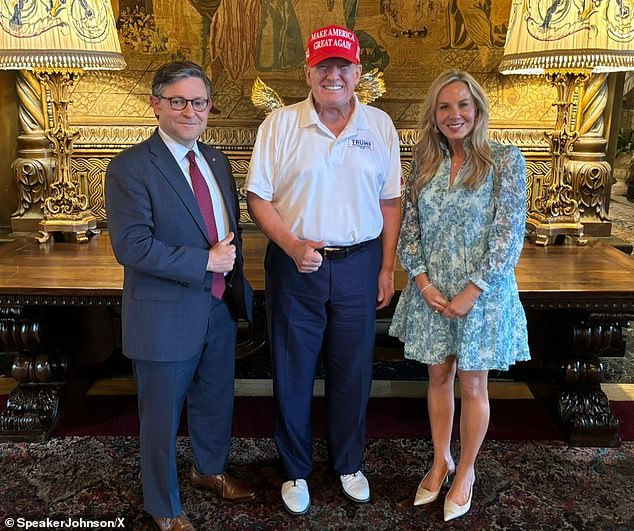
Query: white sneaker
356	487
295	496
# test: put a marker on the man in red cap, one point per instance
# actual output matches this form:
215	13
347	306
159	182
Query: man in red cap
324	186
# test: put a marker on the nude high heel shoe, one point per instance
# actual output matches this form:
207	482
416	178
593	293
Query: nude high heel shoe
425	496
453	510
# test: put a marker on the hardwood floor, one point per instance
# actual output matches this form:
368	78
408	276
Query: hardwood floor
380	388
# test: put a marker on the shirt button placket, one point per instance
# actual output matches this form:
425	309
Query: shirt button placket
338	151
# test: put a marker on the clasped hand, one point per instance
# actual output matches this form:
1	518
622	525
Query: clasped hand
457	307
222	256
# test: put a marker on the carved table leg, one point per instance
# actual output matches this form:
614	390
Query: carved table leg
574	377
31	413
33	406
586	417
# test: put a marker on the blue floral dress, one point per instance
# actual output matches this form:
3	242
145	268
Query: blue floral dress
457	235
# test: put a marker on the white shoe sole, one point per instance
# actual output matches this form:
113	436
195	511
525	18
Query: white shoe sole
356	500
296	513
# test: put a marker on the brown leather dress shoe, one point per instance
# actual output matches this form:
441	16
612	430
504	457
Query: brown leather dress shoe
223	485
179	523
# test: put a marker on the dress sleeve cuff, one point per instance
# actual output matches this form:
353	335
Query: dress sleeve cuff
480	283
417	271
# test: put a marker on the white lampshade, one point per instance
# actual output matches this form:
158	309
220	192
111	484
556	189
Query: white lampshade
569	36
70	35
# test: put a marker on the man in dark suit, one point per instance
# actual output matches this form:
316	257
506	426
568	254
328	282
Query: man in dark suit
173	220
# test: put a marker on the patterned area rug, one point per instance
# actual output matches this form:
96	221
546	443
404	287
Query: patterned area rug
520	485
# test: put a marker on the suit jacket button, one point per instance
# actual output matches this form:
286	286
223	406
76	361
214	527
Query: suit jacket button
207	289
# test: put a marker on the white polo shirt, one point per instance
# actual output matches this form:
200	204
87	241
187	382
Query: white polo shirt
325	187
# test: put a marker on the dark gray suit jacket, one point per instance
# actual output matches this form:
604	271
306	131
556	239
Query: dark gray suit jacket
159	236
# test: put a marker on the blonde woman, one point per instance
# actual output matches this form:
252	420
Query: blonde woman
461	237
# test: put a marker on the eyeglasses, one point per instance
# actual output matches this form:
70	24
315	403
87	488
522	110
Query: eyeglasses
178	104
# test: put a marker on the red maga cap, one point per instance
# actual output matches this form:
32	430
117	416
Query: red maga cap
332	41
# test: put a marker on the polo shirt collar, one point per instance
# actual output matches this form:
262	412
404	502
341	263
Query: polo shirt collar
310	117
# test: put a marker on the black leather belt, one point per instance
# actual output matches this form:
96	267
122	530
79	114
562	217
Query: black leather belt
338	253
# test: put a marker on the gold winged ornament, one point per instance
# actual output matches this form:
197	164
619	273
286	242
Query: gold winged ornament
264	97
371	87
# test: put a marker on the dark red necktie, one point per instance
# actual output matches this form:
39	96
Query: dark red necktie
201	191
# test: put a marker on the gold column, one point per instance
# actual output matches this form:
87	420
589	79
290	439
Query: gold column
590	172
33	168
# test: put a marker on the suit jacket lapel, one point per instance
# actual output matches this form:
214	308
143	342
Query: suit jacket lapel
171	171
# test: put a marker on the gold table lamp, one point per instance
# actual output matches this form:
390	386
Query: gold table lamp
567	41
59	40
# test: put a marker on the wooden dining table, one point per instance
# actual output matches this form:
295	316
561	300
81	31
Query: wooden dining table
60	309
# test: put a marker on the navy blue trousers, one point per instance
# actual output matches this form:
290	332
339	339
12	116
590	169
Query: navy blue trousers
330	313
206	382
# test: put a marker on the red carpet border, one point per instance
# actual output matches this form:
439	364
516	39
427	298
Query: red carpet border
519	419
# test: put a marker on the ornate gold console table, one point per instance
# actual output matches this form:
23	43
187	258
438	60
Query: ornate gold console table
60	302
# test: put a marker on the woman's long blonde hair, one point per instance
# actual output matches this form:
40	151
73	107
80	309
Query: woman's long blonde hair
428	153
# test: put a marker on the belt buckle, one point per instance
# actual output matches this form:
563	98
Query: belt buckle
333	253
